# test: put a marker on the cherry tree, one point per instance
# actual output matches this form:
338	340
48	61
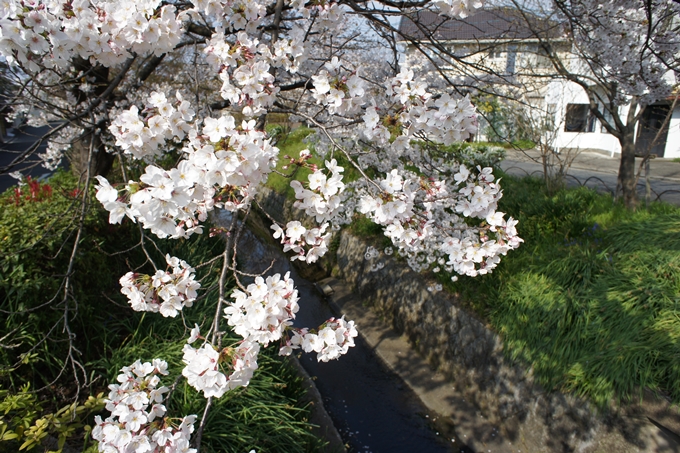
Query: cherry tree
630	55
121	80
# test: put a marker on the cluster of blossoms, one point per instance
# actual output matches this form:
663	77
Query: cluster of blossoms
263	312
323	198
321	201
246	80
340	93
627	44
460	9
418	218
56	147
396	202
308	244
333	339
164	292
142	137
222	168
329	15
204	366
443	120
266	310
138	422
240	14
261	315
53	32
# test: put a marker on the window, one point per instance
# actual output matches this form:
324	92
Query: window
510	62
543	57
495	54
608	118
579	118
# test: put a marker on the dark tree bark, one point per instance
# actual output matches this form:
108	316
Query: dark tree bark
90	140
626	178
102	162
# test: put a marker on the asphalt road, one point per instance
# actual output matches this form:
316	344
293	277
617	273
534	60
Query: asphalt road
602	179
13	147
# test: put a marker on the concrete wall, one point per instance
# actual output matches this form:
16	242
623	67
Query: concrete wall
673	139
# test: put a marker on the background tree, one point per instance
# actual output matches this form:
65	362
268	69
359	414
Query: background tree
626	54
623	55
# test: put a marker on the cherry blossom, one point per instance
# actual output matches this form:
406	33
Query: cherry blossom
138	421
438	214
333	339
164	292
204	367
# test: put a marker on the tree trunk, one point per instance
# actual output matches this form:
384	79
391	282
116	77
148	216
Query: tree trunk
80	153
626	180
80	149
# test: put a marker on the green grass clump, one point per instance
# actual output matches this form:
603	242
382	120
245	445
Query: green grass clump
290	143
523	144
591	300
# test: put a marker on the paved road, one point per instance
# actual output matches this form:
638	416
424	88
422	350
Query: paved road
13	147
600	172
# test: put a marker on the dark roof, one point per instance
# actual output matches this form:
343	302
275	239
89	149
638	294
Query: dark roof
499	23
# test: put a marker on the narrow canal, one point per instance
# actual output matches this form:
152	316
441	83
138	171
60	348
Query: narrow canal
371	407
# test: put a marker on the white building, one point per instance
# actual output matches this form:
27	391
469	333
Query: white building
492	46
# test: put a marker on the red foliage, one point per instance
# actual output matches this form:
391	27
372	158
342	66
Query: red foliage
31	191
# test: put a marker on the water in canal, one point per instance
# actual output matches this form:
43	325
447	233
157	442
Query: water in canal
371	407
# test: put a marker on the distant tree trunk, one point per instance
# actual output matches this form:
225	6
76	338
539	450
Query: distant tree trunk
627	180
102	161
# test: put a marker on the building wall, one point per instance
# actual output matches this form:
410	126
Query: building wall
562	93
557	94
673	140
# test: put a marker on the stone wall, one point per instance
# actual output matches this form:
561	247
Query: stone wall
470	354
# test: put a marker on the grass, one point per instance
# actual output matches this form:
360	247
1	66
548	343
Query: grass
591	299
291	143
522	144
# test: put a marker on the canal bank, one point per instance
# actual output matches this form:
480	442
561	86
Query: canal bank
370	406
491	402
